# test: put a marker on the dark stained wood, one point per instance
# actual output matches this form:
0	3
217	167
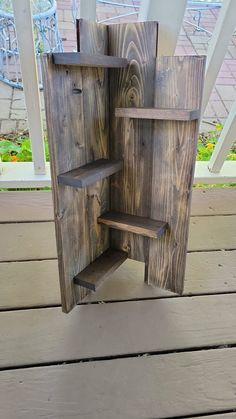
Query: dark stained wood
134	224
86	60
90	173
95	273
153	113
78	134
131	139
179	83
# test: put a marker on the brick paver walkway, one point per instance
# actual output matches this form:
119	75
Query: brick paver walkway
191	41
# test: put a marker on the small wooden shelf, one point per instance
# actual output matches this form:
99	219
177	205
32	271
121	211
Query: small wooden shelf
90	173
86	60
92	276
134	224
155	113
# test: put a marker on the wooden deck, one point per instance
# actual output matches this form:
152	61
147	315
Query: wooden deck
142	353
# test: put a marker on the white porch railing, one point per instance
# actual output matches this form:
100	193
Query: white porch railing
170	16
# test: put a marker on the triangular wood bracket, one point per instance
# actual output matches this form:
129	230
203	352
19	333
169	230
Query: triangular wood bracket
122	128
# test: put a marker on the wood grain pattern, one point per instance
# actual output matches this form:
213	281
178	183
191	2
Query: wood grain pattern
134	224
86	60
90	173
95	273
78	134
132	87
124	388
179	83
153	113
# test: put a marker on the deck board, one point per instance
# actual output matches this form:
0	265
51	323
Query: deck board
197	382
26	241
37	205
47	335
36	283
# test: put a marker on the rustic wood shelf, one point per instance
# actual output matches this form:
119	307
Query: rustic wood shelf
134	224
90	173
86	60
154	113
92	276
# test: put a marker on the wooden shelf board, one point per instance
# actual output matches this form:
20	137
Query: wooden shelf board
86	60
155	113
134	224
90	173
92	276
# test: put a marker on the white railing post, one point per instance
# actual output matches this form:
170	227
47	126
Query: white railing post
25	40
218	45
87	9
227	138
170	16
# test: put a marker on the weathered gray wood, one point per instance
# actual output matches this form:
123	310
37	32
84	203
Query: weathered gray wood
90	173
114	329
93	275
133	224
199	382
179	83
37	205
154	113
131	139
35	283
86	60
78	134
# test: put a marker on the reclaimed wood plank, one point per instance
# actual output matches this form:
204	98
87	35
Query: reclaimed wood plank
179	84
76	138
173	324
95	273
90	173
124	388
36	283
154	113
134	224
86	60
25	241
131	189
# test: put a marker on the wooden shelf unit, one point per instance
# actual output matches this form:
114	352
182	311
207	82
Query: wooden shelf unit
90	173
86	60
120	158
161	114
134	224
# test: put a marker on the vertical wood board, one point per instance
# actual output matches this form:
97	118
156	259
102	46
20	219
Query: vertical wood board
76	105
131	140
179	83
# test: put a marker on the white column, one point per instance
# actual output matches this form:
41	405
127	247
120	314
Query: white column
169	14
87	9
225	142
25	40
219	42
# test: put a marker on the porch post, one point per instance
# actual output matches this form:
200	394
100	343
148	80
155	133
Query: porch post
218	45
87	9
25	39
170	15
